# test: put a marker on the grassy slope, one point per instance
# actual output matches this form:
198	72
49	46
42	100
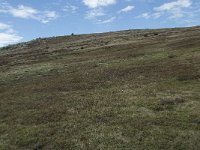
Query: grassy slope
136	89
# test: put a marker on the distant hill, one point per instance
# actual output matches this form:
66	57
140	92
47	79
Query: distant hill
133	89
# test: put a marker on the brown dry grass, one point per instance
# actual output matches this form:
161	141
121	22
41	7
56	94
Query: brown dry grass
135	89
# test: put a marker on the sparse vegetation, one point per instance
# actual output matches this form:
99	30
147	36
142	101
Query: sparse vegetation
114	90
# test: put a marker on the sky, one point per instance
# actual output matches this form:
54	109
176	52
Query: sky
24	20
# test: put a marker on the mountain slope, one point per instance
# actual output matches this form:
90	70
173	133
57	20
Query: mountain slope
134	89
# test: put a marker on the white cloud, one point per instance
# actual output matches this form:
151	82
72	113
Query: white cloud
47	16
70	8
96	11
98	3
99	16
174	9
7	38
127	9
8	35
150	15
22	11
4	26
145	15
93	13
106	21
174	5
26	12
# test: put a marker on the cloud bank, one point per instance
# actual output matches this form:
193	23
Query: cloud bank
8	35
26	12
98	3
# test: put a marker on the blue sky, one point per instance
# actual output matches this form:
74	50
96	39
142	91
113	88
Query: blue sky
24	20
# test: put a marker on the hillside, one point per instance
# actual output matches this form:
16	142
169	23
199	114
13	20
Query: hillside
134	89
